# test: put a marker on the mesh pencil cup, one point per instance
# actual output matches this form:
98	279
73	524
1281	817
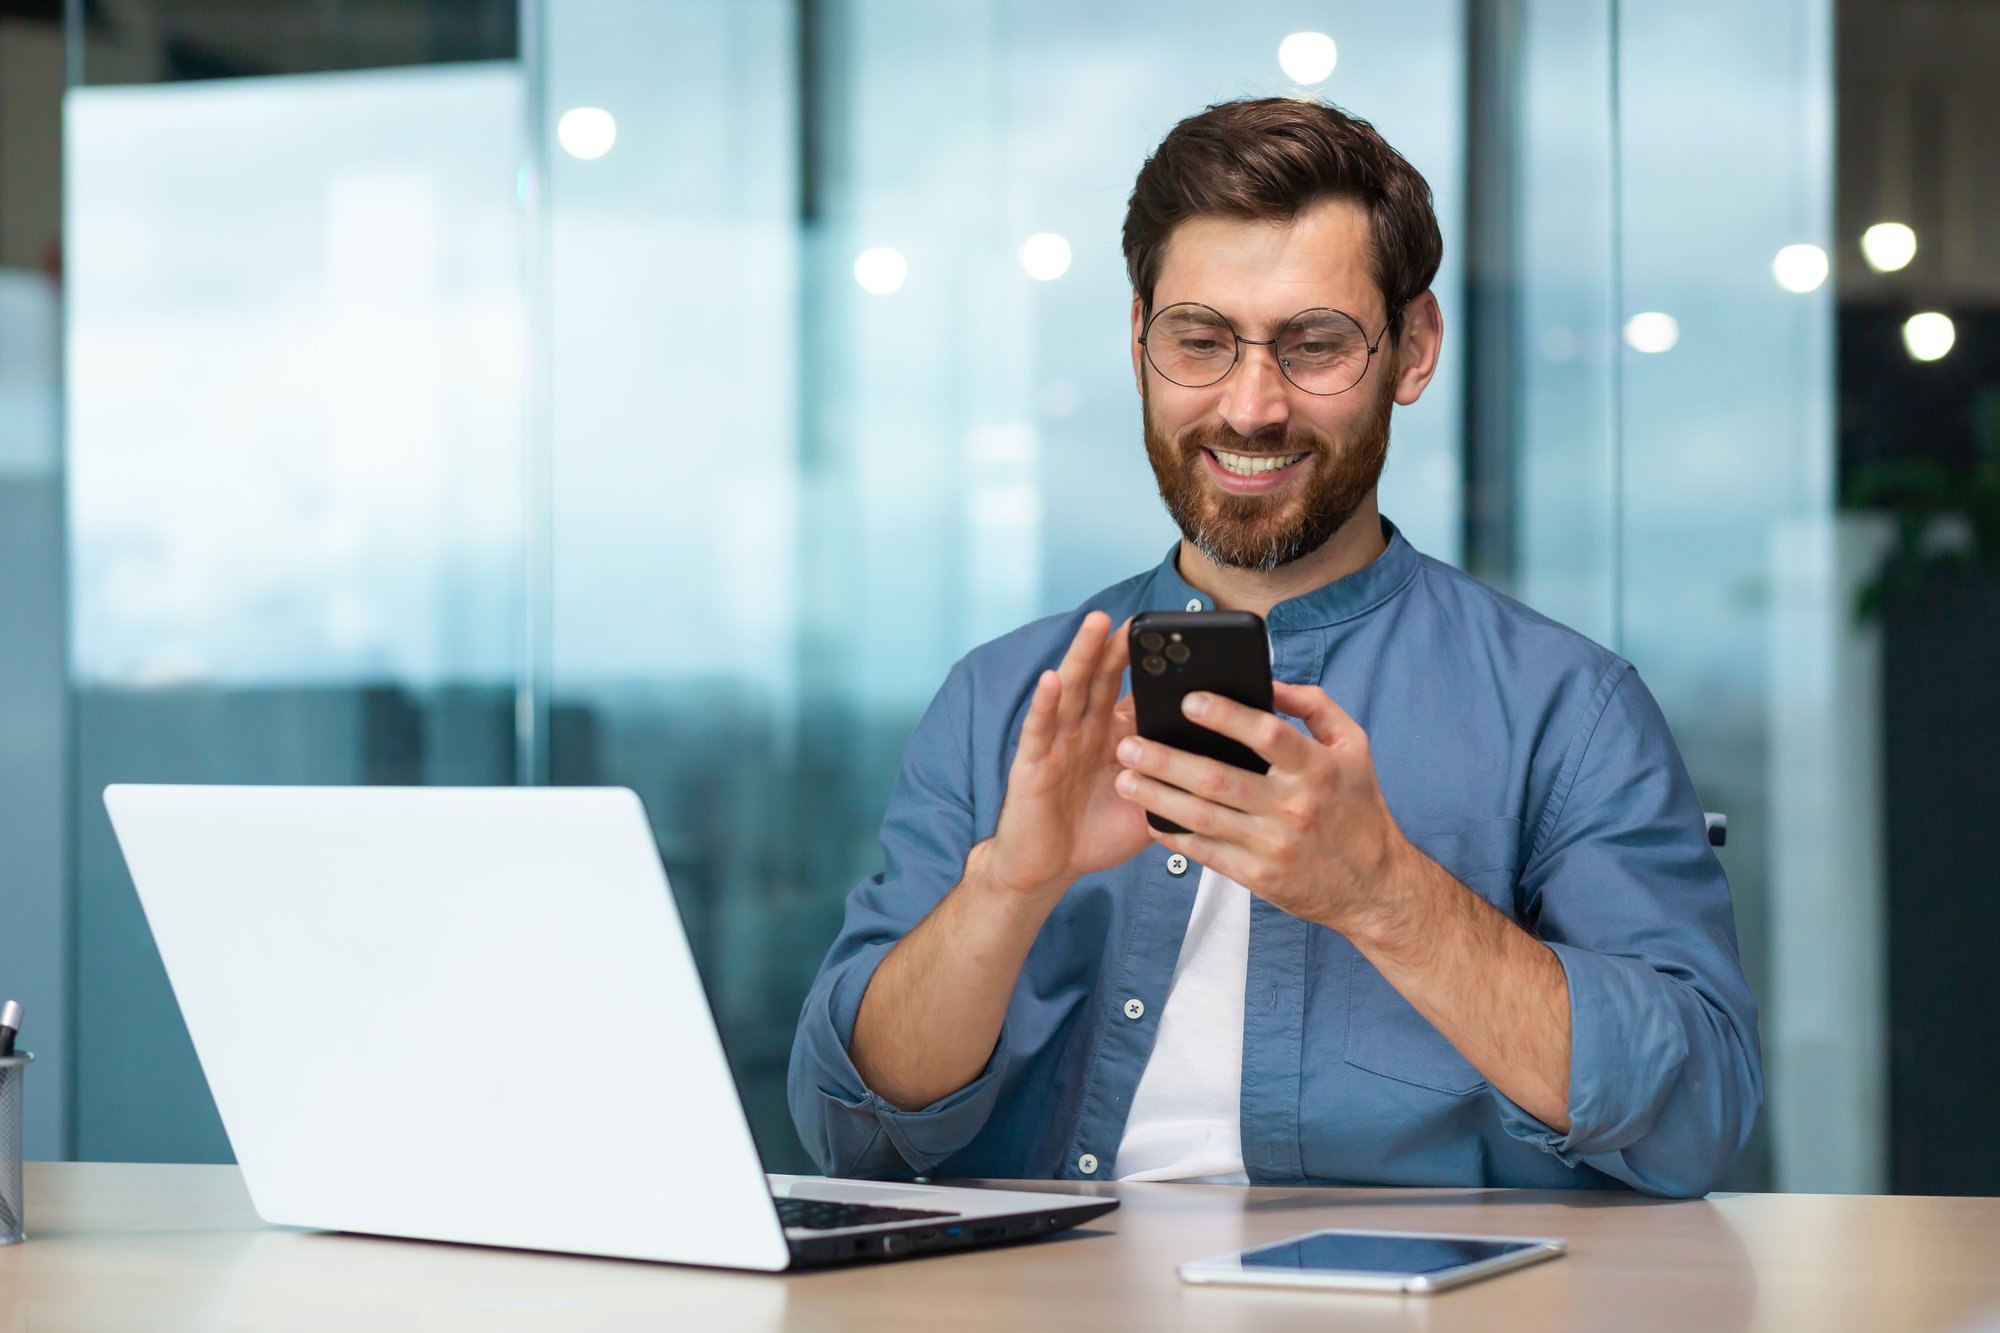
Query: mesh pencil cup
12	1070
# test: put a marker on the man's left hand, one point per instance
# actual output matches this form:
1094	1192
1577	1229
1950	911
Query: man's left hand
1313	835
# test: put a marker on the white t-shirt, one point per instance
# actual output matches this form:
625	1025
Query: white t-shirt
1186	1120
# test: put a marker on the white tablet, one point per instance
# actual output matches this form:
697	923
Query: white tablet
1336	1260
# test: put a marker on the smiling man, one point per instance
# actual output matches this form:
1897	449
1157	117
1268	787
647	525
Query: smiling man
1467	930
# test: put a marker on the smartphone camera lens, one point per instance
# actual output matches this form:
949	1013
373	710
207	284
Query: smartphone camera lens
1151	641
1153	666
1177	653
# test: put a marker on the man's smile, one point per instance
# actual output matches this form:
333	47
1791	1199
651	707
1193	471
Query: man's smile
1251	474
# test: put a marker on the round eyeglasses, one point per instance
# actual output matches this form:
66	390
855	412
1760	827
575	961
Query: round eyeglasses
1322	351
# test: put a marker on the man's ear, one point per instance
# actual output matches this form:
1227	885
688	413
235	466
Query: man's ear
1138	350
1418	347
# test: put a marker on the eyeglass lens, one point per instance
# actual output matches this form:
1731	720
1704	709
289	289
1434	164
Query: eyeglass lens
1194	346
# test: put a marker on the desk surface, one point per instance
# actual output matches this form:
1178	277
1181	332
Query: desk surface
170	1248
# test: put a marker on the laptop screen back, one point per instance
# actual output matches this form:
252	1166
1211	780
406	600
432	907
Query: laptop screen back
457	1014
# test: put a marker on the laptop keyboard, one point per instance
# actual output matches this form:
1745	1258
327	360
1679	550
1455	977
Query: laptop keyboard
826	1215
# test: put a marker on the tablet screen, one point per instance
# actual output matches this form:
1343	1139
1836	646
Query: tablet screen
1389	1256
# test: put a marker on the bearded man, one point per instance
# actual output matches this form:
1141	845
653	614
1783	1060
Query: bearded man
1466	931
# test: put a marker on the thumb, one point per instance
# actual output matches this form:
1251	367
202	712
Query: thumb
1324	718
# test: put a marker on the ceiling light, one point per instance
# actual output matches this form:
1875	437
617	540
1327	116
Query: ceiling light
1928	336
1888	246
1652	331
1800	268
1045	256
881	269
586	132
1308	57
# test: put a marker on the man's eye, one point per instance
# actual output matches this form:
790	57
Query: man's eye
1200	346
1321	351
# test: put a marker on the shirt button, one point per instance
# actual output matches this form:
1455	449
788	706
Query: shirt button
1087	1164
1194	604
1135	1008
1177	864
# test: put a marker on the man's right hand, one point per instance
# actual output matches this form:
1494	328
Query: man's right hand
1061	817
932	1012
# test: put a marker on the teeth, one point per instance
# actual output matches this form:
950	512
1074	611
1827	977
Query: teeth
1249	465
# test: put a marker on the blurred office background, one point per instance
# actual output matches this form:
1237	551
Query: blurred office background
666	392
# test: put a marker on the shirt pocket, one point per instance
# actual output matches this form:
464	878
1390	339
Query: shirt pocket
1385	1035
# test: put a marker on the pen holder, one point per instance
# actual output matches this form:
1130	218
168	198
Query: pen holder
13	1069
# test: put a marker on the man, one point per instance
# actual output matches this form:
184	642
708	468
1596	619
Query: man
1466	931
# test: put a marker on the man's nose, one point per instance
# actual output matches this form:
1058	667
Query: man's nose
1256	395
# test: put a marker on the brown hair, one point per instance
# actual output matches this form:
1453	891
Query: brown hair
1269	159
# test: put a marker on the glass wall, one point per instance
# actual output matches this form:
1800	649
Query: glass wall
34	732
675	500
295	350
1725	430
671	406
825	417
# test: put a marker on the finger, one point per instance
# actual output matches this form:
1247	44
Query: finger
1265	733
1038	729
1110	672
1191	812
1313	706
1124	719
1210	779
1076	668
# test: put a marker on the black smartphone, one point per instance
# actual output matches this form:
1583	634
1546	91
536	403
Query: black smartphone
1175	652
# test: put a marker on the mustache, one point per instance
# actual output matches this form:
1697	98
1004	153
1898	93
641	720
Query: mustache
1291	439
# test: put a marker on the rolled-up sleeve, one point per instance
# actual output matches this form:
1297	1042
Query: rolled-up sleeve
927	833
1666	1078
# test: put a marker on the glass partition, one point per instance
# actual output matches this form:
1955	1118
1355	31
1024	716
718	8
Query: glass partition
841	389
294	418
684	441
1726	449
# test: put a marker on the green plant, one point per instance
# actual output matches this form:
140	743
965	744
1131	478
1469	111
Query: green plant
1930	500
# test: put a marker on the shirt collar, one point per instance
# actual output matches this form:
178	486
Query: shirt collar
1345	598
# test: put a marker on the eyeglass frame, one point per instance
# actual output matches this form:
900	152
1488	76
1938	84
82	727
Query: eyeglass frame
1241	341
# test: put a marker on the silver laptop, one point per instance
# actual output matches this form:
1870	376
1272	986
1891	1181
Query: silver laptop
471	1015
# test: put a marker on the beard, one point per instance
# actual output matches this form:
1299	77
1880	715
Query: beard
1264	532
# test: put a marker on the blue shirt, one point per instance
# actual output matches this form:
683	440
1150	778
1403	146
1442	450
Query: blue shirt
1527	761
